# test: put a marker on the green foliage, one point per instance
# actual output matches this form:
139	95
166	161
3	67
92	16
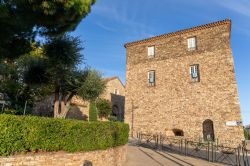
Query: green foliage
63	53
92	111
21	20
91	86
31	134
246	134
9	111
113	119
104	108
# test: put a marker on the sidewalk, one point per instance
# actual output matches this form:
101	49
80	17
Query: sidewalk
139	156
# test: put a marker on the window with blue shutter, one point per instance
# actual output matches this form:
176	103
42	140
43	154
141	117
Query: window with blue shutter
151	78
194	73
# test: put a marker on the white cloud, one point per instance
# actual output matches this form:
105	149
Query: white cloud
123	14
105	27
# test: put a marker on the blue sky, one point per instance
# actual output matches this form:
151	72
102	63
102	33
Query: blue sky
112	23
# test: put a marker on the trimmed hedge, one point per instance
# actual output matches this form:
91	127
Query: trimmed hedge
20	134
92	111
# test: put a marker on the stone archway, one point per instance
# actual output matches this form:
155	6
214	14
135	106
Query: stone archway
208	130
115	111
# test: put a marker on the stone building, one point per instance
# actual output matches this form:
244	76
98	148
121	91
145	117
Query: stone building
114	92
183	84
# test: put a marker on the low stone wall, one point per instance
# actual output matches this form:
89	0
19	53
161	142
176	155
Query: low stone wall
110	157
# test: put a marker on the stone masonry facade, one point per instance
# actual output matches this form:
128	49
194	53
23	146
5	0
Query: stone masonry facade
109	157
175	101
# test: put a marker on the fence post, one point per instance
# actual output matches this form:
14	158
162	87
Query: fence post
208	151
185	147
212	147
156	141
181	146
161	142
238	155
139	138
217	143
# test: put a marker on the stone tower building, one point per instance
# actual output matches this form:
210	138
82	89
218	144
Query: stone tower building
183	84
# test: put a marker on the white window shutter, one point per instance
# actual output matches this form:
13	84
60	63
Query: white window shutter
151	51
191	43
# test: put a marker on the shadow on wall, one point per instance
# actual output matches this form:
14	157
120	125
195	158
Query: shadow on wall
75	113
87	163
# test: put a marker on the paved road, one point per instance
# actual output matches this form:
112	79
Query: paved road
139	156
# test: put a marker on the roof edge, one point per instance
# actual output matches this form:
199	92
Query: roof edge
112	78
200	27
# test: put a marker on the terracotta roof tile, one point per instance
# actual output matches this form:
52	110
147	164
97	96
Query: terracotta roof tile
205	26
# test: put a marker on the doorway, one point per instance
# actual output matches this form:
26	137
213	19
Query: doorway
208	130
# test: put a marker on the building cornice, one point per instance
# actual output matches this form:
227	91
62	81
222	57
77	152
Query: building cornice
201	27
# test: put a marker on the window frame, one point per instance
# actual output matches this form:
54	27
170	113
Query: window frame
197	68
116	91
151	84
189	43
148	51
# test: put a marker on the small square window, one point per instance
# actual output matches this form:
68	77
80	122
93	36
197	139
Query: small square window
194	73
151	78
116	91
151	51
191	43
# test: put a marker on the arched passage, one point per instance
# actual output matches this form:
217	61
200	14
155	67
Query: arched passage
208	130
115	110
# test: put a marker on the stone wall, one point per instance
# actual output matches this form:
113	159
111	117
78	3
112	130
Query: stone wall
117	100
175	102
110	157
79	109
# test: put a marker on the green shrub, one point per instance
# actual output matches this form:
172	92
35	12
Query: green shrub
104	108
92	112
9	111
246	134
31	134
112	118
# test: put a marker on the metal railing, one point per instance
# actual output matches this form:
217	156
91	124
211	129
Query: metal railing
210	151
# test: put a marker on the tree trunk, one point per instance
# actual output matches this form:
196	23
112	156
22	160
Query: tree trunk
65	107
62	105
56	103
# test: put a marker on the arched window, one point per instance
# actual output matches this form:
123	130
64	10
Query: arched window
178	132
208	130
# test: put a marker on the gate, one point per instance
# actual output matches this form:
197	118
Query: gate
207	150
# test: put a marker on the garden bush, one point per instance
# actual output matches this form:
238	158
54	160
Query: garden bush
20	134
92	111
246	134
104	108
